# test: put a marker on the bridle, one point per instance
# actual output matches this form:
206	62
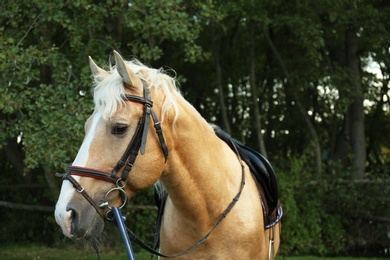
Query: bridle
137	144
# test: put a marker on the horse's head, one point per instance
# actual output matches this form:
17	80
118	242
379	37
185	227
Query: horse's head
114	134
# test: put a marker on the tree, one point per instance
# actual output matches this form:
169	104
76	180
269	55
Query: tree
287	78
356	21
45	78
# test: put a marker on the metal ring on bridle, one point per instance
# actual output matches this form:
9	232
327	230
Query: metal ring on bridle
110	216
123	195
119	185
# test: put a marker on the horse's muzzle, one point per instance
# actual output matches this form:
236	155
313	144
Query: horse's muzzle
79	221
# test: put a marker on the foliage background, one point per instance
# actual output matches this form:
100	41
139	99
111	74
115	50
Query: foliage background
293	79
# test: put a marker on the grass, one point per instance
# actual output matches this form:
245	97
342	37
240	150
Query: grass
36	252
68	252
325	258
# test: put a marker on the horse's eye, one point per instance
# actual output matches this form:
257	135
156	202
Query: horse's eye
119	129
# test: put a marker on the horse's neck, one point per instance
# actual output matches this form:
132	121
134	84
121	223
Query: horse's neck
202	174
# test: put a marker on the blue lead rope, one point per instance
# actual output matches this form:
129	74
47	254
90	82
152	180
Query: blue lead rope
122	229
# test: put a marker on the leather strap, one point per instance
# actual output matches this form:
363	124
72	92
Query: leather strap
131	153
92	173
157	126
132	149
202	240
80	189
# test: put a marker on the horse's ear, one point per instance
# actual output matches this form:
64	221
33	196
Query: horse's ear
128	76
97	72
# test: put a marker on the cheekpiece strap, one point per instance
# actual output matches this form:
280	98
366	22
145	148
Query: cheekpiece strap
138	142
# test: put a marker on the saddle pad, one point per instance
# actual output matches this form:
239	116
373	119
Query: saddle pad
260	168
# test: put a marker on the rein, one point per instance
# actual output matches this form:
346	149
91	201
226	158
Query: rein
203	239
138	144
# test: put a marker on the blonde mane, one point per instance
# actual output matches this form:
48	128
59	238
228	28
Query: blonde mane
108	88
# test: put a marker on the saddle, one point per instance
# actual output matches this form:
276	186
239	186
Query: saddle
264	175
262	172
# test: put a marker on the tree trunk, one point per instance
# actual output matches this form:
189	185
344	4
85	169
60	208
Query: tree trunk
342	146
300	106
217	60
255	105
51	182
46	73
356	107
15	156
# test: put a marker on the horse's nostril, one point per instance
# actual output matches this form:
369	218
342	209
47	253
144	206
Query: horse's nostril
73	219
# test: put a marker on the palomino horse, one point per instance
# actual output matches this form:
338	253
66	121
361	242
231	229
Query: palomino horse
209	187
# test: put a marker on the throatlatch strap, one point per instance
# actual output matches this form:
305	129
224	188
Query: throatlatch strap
157	126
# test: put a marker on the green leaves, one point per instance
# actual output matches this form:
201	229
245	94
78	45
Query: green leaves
45	82
53	126
152	23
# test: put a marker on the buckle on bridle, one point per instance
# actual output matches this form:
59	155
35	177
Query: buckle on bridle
80	191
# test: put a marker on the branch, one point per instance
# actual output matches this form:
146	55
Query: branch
19	206
297	99
22	186
362	215
357	181
142	207
28	30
